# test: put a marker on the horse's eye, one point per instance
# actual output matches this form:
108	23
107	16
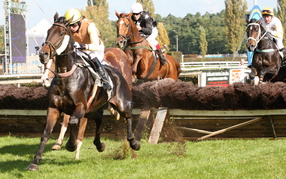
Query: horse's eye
127	25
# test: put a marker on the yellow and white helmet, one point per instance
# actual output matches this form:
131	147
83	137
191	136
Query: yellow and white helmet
137	8
268	11
75	13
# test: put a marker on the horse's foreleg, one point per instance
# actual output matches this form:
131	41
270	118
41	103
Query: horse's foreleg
64	127
252	76
136	61
113	112
52	116
134	144
82	127
79	113
100	146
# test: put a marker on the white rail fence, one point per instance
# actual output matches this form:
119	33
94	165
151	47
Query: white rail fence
187	68
195	66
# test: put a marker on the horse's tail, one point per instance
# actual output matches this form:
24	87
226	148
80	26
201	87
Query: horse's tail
178	67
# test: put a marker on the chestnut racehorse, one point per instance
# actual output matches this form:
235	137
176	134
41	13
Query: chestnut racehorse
75	92
145	64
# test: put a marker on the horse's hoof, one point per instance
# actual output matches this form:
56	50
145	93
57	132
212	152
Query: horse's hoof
56	147
33	167
100	147
70	147
134	79
135	145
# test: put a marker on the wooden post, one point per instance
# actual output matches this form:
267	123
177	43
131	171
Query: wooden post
158	125
141	124
231	128
272	126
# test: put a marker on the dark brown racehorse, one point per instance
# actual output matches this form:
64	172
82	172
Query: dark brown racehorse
266	61
145	65
112	56
72	91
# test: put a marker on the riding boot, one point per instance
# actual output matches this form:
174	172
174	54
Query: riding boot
283	50
162	57
103	74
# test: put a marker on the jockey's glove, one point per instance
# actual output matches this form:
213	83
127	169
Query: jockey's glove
79	46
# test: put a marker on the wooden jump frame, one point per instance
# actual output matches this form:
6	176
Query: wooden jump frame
163	114
252	116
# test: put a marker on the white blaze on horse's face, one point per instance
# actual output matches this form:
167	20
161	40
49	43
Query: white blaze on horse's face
121	22
64	44
254	33
46	79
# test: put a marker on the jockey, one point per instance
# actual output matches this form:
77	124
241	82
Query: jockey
147	28
275	28
87	38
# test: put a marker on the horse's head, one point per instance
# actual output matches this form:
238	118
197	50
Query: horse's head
57	39
253	32
124	28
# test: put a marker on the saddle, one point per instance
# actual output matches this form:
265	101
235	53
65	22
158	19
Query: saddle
93	70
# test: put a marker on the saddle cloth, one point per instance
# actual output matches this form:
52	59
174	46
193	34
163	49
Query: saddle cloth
95	75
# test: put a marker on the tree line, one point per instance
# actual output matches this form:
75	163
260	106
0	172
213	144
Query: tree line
196	33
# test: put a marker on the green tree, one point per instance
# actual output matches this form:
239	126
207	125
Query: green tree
97	11
148	6
163	38
203	42
235	11
281	14
2	47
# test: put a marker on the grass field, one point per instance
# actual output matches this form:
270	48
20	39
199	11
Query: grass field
261	158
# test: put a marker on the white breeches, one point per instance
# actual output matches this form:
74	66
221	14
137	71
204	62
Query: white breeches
152	38
99	54
279	43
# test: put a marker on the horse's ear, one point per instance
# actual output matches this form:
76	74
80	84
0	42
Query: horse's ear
56	16
259	21
117	14
130	15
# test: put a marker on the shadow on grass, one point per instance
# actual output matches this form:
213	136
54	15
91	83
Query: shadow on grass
28	151
22	165
22	149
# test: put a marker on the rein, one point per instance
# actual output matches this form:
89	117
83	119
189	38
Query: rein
137	47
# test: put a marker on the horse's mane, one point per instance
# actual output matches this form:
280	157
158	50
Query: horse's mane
124	14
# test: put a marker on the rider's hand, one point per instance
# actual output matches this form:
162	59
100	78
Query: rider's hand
139	27
76	45
79	46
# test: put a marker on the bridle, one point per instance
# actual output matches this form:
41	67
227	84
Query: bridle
54	52
127	38
53	46
259	36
